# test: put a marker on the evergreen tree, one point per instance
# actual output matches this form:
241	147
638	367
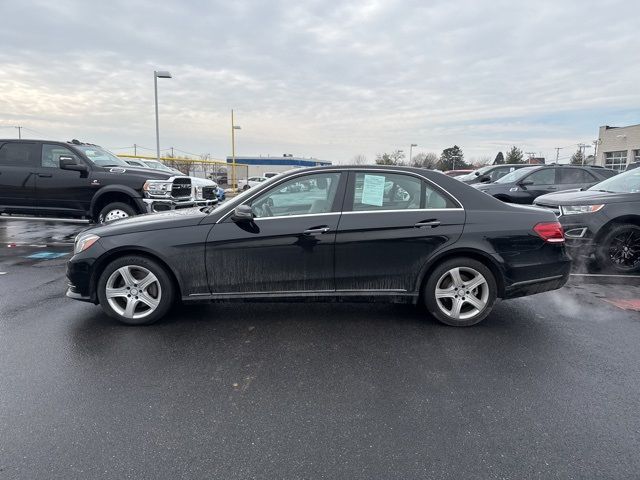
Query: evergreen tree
452	158
515	155
499	159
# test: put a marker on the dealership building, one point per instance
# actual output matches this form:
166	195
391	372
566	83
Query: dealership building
618	146
258	166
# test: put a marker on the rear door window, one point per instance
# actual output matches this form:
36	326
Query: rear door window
395	191
20	154
575	175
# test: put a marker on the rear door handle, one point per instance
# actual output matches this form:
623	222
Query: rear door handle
430	223
45	175
316	231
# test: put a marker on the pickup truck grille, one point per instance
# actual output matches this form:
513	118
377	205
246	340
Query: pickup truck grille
181	188
209	193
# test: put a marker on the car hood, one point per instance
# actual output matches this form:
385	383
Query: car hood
202	182
140	172
184	217
586	197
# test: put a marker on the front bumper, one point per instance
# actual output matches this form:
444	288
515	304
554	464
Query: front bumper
152	205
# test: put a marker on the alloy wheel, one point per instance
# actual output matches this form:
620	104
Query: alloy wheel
133	292
462	293
624	250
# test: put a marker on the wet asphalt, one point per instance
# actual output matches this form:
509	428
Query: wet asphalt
547	387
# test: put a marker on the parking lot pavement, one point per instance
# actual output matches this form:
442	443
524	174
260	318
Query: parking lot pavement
546	387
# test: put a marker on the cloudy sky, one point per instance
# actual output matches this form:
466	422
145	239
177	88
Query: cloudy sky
321	78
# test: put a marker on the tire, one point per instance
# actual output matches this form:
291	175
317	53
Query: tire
451	297
115	211
619	250
129	301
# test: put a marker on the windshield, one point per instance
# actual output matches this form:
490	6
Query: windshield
158	166
515	175
627	182
101	157
475	173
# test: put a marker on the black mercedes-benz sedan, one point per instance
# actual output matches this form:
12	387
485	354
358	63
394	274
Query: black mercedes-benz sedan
327	233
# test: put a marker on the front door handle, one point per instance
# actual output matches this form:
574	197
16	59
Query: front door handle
429	223
316	231
45	175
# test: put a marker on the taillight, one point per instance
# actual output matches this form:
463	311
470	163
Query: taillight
551	232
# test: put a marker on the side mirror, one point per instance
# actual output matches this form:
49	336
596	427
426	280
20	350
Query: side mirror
525	183
484	178
69	163
242	213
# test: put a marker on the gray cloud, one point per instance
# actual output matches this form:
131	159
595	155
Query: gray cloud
321	78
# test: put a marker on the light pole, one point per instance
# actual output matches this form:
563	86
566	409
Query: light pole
411	151
234	127
156	75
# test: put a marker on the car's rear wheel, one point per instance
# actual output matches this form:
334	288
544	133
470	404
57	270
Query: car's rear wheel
135	290
619	249
115	211
460	292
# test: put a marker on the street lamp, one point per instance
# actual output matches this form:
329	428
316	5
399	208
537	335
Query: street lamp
156	75
234	127
411	150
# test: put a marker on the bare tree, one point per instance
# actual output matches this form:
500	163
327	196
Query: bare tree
394	158
359	159
425	160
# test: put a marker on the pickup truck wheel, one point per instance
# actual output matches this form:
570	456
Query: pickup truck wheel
619	250
460	292
115	211
135	290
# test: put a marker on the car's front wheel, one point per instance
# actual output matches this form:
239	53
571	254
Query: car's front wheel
135	290
460	292
115	211
619	249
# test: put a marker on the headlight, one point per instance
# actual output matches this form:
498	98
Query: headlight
198	193
576	209
157	188
83	242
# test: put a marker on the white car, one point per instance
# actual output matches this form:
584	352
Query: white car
245	184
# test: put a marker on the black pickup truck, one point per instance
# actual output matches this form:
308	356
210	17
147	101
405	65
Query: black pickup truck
75	179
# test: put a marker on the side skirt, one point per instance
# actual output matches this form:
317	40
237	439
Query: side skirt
385	296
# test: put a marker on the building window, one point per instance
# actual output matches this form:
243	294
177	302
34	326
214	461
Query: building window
616	160
636	155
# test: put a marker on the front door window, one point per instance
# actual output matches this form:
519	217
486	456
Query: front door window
308	194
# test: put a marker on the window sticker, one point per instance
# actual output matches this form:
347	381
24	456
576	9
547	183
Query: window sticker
373	190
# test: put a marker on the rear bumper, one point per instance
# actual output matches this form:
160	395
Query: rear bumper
538	285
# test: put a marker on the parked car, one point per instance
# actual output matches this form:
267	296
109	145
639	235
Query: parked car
526	184
632	165
429	239
75	179
457	173
602	222
490	173
245	184
204	191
